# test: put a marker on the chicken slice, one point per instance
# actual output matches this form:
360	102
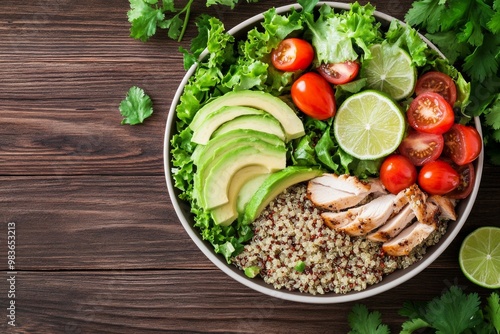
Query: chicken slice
332	199
446	207
371	216
413	196
413	235
393	225
344	182
335	193
335	220
408	239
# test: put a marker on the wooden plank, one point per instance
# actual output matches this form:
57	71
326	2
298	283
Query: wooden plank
120	222
95	223
194	301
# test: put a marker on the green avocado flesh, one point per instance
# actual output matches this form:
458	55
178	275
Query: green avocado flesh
227	213
202	153
289	120
262	123
214	191
275	184
218	117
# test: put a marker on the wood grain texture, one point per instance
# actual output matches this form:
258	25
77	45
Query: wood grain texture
175	301
99	247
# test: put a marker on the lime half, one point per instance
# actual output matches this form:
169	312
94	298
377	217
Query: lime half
369	125
479	257
390	70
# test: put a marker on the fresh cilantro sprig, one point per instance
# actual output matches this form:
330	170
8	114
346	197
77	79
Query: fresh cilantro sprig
136	107
363	321
451	313
468	33
145	16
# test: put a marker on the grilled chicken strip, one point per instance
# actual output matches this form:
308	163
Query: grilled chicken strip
372	215
337	192
413	235
446	206
393	225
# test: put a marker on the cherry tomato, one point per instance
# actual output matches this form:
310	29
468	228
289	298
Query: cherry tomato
314	96
462	144
438	178
467	175
437	82
429	112
292	54
421	147
397	173
339	73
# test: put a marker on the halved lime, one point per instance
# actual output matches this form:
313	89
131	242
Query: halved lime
479	257
390	70
369	125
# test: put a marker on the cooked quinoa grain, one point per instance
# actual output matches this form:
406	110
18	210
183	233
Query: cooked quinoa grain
296	251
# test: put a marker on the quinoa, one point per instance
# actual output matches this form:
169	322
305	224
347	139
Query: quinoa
291	231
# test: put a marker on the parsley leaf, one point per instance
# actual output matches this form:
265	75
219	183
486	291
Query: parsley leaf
136	107
492	311
146	16
364	322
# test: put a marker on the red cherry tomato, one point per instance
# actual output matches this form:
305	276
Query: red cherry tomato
429	112
421	147
467	175
462	144
437	82
339	73
314	96
292	54
438	178
397	173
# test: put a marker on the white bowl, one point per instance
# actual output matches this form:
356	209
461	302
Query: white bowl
390	281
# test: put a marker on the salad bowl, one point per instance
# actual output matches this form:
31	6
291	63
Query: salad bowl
390	281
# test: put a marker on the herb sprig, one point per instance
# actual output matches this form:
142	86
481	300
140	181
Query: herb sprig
451	313
145	16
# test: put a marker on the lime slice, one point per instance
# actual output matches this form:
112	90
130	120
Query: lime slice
479	257
369	125
390	70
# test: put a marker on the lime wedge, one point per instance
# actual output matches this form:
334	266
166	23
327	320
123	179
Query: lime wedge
479	257
390	70
369	125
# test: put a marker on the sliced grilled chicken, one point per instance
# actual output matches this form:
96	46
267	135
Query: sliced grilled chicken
393	225
332	199
345	182
337	192
446	206
408	239
415	197
335	220
413	235
372	215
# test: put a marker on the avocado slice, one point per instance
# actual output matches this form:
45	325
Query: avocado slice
214	190
208	161
227	213
275	184
218	117
263	123
248	190
289	120
204	152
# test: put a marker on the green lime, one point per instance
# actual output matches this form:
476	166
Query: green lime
369	125
479	257
390	70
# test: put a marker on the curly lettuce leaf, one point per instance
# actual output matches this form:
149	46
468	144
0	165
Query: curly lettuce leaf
337	37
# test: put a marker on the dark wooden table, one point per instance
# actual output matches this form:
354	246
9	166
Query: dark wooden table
98	245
